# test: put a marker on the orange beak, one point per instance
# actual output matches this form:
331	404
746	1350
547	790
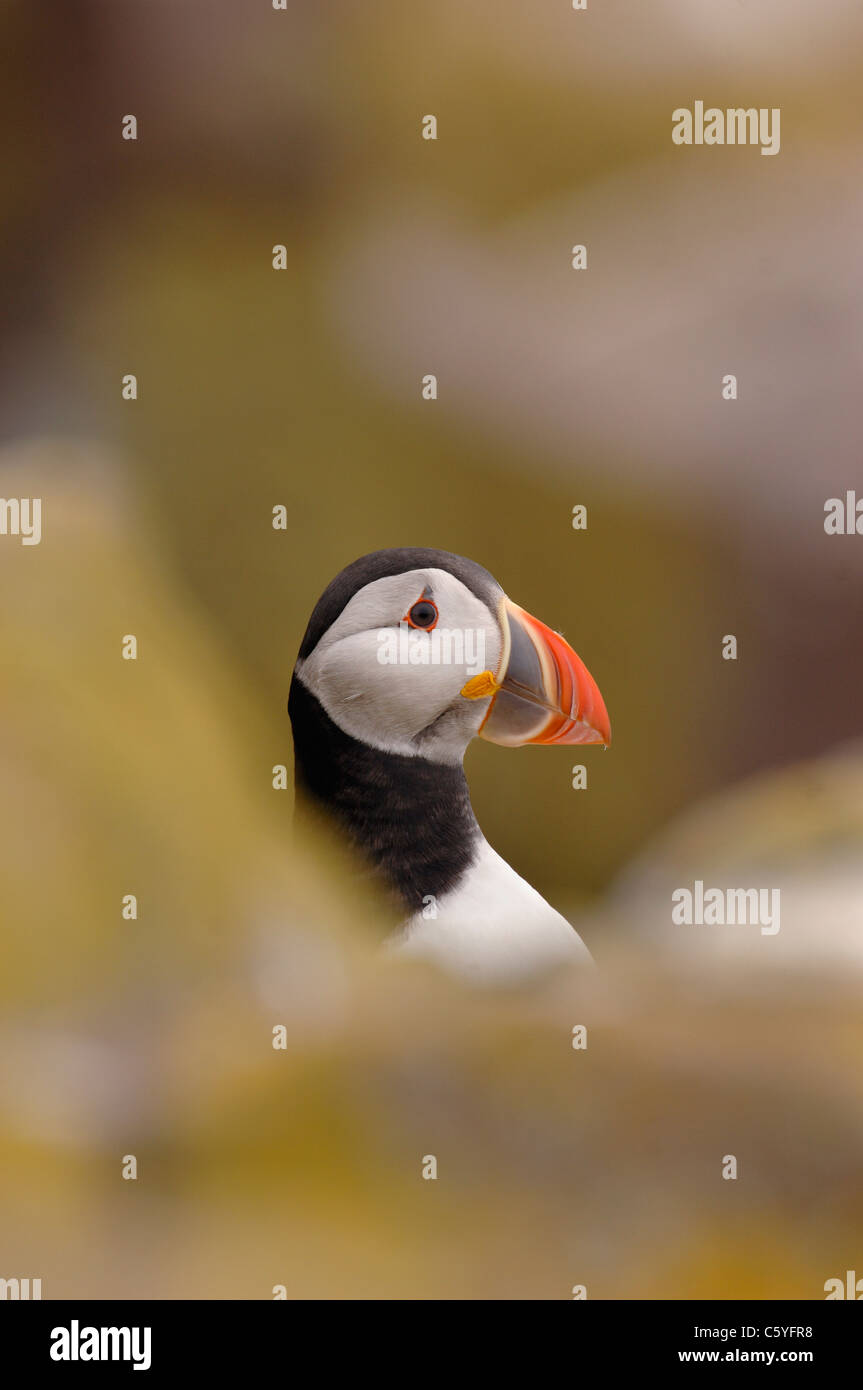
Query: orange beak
542	692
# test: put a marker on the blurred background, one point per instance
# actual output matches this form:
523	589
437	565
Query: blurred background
302	387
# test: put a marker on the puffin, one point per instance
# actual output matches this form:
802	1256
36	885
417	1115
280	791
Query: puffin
409	654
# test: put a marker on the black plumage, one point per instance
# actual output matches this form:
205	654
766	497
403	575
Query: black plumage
411	818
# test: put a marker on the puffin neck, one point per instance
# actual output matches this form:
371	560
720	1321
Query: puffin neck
410	817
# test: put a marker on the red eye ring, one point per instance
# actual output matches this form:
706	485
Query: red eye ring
418	619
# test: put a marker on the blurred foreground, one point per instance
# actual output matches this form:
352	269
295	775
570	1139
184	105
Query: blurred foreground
302	1166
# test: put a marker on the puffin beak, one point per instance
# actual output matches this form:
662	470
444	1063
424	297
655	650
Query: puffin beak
542	692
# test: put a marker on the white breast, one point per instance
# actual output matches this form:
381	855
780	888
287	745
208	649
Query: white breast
493	928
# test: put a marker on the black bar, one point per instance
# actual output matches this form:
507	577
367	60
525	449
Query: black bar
225	1338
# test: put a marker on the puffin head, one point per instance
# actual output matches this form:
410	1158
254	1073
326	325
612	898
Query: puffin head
416	651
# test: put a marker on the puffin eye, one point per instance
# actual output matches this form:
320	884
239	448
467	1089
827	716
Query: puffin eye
423	614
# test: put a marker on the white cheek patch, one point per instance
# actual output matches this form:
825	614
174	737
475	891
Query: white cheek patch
378	701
